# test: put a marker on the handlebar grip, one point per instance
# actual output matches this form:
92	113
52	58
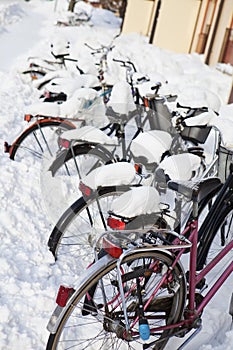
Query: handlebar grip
202	109
157	86
119	61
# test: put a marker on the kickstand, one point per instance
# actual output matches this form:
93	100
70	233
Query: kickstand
189	338
231	310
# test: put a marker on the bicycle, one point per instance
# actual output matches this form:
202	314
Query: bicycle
76	145
35	139
80	17
49	122
96	211
152	115
83	156
139	293
39	67
91	214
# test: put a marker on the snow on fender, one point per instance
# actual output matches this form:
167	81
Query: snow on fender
116	174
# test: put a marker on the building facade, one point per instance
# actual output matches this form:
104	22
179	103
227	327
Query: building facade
185	26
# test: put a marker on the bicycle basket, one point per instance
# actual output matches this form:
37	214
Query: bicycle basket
160	116
196	134
225	158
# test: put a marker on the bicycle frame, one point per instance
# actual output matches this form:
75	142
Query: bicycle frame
124	148
192	313
194	278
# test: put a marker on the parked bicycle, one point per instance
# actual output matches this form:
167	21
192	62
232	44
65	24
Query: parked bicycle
49	121
87	149
60	116
39	67
115	197
139	293
152	115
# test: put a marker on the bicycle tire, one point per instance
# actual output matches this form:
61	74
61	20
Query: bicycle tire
73	216
74	233
215	239
64	163
59	181
23	142
102	315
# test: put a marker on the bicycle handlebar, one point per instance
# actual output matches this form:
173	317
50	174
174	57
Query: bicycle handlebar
201	109
125	63
100	49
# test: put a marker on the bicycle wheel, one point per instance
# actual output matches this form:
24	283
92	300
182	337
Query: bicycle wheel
219	234
74	234
60	185
39	139
81	223
95	318
79	160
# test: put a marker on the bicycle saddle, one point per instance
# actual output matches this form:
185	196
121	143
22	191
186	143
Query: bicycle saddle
69	85
178	167
116	174
135	202
121	103
120	118
148	147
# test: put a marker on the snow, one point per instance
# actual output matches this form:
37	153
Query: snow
29	278
121	99
189	163
146	142
137	201
88	133
116	174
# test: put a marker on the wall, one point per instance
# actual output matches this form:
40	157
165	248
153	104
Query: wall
138	16
179	24
176	24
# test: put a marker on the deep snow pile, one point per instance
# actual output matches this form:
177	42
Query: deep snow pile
29	278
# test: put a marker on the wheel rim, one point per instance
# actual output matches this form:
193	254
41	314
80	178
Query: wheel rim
100	323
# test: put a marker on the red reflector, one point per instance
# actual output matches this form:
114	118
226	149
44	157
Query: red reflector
27	117
146	102
85	189
47	94
138	168
64	143
111	248
64	293
116	224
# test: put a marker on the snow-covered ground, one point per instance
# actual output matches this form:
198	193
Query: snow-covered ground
29	279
